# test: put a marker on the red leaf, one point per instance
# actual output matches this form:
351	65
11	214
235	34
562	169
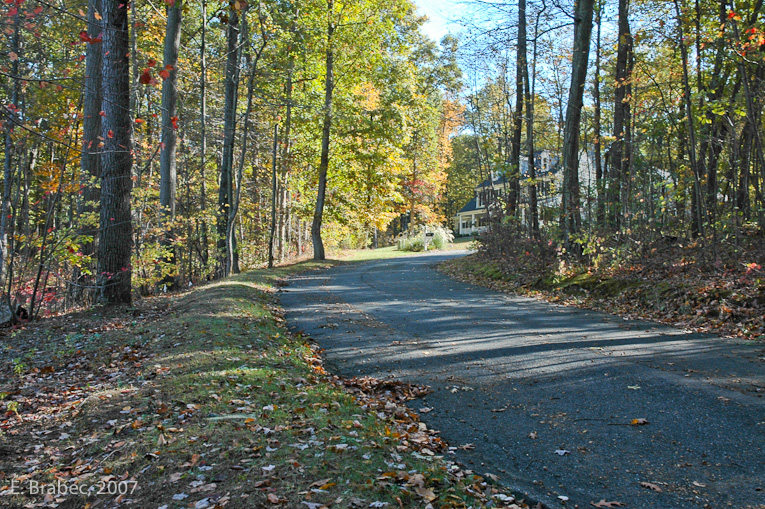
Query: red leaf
169	67
164	74
151	62
170	3
110	134
174	121
84	37
145	77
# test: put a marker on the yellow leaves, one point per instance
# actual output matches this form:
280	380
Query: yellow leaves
368	96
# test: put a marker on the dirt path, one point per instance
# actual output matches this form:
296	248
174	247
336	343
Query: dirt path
544	397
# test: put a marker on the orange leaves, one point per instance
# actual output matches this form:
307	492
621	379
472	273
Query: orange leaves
85	37
164	74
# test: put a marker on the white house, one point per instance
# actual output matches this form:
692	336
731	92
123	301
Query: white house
474	217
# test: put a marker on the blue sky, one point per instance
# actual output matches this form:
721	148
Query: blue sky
442	14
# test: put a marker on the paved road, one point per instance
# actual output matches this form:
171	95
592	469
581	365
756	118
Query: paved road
520	379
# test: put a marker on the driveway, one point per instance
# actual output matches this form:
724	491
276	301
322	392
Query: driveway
545	396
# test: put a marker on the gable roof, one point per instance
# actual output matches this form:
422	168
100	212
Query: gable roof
471	205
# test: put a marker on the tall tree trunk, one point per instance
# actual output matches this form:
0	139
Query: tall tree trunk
90	158
571	215
168	176
225	192
318	244
600	179
10	121
622	146
115	239
205	254
697	224
514	196
284	169
529	92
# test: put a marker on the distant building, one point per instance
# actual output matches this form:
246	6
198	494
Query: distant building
474	216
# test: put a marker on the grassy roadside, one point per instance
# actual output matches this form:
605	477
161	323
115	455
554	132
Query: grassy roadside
730	303
203	400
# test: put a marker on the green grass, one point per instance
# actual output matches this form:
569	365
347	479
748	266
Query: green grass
212	392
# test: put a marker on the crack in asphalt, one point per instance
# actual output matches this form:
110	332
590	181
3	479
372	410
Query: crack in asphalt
519	379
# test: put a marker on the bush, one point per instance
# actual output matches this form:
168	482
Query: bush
416	240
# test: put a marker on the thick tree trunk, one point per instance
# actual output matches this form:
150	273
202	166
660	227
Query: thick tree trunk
621	148
318	244
90	158
115	239
571	216
168	176
225	192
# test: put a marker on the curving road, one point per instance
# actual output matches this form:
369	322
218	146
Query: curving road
516	380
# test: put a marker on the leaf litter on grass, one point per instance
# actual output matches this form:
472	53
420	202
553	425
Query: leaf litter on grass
204	399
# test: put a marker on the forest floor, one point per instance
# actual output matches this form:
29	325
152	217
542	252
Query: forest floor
203	399
674	283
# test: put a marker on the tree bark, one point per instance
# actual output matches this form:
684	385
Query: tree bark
225	192
318	244
205	254
115	239
600	179
571	216
697	225
90	158
621	148
514	195
168	179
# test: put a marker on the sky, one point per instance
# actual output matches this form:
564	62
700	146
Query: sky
442	14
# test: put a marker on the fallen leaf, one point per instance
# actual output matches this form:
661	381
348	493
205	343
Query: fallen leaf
603	503
426	493
639	422
651	486
562	452
699	485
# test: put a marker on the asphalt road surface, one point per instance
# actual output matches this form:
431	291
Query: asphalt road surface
520	379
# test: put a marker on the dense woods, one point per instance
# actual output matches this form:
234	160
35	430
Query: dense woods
150	146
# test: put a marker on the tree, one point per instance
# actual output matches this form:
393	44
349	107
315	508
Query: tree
329	85
115	234
167	161
226	235
571	216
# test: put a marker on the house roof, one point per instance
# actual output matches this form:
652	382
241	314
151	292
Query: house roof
471	206
498	179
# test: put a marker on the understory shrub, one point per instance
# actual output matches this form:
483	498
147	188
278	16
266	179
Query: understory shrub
417	240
